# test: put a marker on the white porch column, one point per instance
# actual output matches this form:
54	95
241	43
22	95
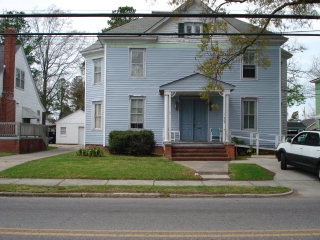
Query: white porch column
167	116
226	116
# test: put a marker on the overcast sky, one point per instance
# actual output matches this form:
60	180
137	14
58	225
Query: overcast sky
96	24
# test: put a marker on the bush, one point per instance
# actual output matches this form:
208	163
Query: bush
136	143
90	152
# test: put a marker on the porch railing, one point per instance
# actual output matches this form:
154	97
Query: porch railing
15	129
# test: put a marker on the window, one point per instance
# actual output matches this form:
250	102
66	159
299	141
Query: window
137	112
97	70
249	65
63	130
137	62
97	116
190	28
249	114
19	78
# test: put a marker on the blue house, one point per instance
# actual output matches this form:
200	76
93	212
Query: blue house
149	81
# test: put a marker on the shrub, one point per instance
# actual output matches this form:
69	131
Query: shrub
136	143
90	152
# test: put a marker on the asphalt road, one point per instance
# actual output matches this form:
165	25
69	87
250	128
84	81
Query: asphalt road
220	218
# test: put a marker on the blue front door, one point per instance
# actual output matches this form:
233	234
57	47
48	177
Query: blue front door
193	119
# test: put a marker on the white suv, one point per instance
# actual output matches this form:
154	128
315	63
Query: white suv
302	151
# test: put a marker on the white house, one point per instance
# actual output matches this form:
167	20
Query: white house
70	129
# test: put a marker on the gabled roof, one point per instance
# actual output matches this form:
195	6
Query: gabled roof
194	82
315	80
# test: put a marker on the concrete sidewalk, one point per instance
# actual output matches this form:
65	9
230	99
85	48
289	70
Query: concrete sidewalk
214	173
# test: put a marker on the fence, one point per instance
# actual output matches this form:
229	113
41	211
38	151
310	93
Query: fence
15	129
256	140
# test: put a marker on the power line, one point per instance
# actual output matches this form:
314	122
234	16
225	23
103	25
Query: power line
162	34
195	15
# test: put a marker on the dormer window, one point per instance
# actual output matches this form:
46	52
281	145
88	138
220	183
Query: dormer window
192	28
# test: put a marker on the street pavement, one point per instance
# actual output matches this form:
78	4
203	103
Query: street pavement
213	173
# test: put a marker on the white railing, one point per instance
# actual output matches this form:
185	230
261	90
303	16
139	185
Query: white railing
256	140
15	129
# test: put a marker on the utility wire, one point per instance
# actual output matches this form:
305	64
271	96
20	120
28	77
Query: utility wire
161	34
195	15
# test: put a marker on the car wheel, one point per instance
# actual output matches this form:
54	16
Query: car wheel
283	161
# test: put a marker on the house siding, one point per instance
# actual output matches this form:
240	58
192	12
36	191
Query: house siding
165	65
168	59
32	100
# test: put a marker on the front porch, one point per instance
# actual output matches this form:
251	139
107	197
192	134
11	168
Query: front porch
22	137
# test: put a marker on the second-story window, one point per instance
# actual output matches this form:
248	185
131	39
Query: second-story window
249	65
137	62
20	75
192	28
97	70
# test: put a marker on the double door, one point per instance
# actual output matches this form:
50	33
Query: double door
193	119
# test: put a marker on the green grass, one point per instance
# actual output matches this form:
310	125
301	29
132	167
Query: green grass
108	167
3	154
164	191
243	171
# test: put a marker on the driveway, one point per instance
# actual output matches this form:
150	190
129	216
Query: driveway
303	183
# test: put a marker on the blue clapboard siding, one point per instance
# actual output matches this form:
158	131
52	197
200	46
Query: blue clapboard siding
165	65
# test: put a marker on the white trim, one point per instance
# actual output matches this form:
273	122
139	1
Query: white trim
144	64
104	96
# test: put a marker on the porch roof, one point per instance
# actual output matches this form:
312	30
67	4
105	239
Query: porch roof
192	83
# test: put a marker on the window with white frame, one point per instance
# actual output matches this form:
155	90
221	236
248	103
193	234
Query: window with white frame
97	65
97	115
137	108
63	130
193	28
137	62
249	114
20	78
249	65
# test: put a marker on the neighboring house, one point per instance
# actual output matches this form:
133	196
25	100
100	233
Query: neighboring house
310	123
19	98
317	88
294	127
152	82
70	129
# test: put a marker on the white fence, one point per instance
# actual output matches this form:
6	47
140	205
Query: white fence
256	140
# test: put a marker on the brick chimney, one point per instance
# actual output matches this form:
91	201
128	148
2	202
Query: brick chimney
7	102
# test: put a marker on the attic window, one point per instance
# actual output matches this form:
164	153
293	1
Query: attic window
20	75
192	28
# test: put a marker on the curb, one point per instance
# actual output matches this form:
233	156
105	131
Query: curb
141	195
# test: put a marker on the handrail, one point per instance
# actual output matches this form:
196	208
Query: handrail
256	139
16	129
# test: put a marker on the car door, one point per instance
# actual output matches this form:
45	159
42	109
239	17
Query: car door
294	152
311	152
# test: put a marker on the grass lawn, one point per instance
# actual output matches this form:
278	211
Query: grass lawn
3	154
108	167
244	171
127	167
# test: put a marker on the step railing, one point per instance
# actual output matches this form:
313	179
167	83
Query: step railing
256	140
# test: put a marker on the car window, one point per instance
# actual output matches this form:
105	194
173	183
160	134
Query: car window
300	139
312	139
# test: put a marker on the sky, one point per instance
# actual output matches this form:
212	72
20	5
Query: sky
145	6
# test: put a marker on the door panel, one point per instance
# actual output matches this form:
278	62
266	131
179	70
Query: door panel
186	120
200	121
193	121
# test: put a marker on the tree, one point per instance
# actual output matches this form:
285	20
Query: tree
77	93
58	57
216	57
118	21
20	25
61	102
294	117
